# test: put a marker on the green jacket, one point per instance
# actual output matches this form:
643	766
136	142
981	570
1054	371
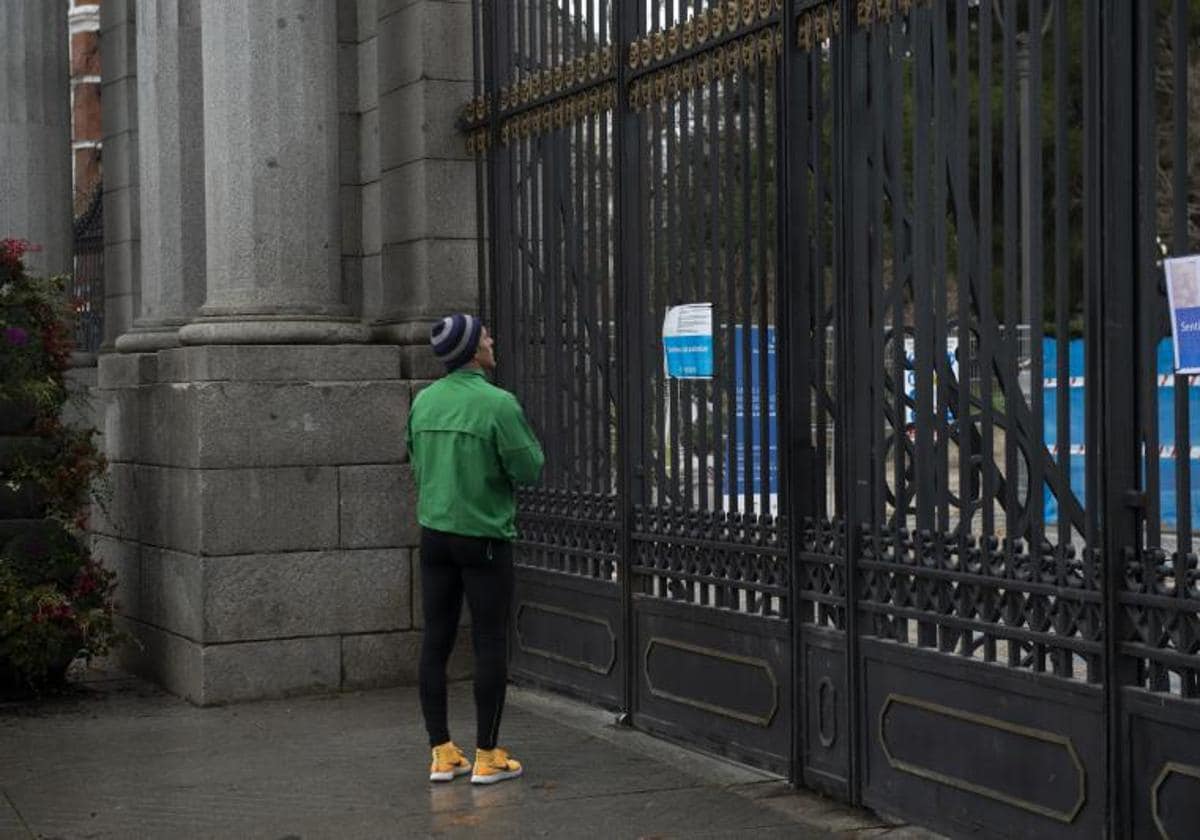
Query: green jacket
470	446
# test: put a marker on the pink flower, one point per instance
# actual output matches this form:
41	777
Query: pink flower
14	249
16	336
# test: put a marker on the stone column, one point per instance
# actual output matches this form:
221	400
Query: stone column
271	159
35	132
171	158
119	123
429	237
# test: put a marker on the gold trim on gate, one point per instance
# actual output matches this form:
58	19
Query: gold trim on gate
745	54
478	141
818	24
870	12
585	69
560	113
699	29
1066	817
723	711
558	657
1171	767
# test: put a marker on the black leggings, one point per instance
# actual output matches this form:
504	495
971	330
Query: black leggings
450	566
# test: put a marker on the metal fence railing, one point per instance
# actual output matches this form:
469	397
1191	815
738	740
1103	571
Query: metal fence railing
86	286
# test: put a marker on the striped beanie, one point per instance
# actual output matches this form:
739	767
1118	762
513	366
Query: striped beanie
455	339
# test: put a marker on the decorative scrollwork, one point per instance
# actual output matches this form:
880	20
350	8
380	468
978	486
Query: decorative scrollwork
820	564
999	600
554	81
746	54
818	25
478	141
738	561
560	113
1160	603
566	531
477	110
699	30
870	12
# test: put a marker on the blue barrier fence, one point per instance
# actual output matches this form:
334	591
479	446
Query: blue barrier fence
735	479
1074	437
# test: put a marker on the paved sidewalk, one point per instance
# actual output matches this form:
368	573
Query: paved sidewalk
121	759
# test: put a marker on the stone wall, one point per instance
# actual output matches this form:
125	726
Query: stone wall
266	546
262	516
427	206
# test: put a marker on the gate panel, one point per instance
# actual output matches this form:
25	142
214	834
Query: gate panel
813	54
994	755
716	680
567	634
553	183
925	537
978	593
1159	594
709	561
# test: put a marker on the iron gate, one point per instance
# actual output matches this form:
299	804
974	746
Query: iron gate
87	279
923	539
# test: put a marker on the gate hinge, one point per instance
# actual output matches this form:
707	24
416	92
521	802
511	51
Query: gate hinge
1135	499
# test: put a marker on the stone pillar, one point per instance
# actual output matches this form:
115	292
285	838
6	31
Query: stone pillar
171	163
428	180
35	132
358	131
119	119
271	158
262	518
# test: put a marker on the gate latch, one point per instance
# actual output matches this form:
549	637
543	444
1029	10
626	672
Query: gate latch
1135	499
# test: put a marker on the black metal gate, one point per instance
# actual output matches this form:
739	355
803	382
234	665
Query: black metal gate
923	538
87	279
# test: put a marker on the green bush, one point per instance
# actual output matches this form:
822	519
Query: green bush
56	600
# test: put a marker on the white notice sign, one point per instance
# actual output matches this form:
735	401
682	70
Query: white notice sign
688	341
1183	294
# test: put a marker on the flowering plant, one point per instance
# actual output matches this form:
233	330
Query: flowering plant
35	337
56	601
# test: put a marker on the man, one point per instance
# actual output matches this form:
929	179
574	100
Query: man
469	445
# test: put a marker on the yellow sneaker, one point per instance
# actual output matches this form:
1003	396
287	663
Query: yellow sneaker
448	763
493	766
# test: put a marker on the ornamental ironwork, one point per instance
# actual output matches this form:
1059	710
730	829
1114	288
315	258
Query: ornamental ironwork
939	453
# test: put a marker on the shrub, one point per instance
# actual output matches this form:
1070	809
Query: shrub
56	601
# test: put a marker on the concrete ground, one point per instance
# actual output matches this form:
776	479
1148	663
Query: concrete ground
119	758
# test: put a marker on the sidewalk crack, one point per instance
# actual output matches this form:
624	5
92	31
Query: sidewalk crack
17	811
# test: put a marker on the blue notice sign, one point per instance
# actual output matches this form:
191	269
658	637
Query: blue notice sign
1183	294
688	341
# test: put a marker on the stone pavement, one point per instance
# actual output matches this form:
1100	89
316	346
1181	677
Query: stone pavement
121	759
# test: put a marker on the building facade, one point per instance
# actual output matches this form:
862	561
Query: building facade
86	128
